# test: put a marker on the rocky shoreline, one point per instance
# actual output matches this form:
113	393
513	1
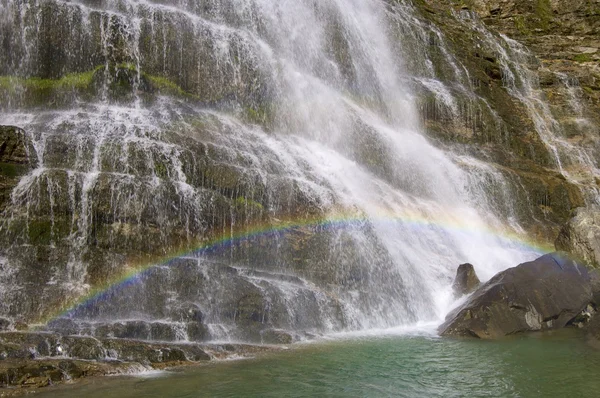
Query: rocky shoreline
30	360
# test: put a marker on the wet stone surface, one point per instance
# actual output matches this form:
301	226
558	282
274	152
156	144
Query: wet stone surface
40	359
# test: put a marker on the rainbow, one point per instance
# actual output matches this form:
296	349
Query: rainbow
135	269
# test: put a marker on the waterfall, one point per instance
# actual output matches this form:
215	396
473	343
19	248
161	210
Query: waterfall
162	124
576	162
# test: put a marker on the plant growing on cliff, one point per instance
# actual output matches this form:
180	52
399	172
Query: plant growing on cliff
543	10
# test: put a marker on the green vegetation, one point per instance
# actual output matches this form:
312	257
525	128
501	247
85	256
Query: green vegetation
12	170
43	231
160	169
34	91
126	66
582	58
521	25
164	85
77	81
465	4
248	204
261	114
543	10
119	80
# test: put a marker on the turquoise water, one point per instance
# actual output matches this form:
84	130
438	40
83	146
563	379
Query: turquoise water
539	365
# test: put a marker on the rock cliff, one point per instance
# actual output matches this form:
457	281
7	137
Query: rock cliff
267	157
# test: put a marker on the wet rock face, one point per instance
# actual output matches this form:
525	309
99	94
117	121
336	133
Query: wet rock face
5	324
564	36
505	76
107	192
580	236
26	345
466	280
17	156
543	294
33	360
276	336
34	374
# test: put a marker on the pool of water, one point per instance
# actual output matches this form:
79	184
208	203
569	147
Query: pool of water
558	364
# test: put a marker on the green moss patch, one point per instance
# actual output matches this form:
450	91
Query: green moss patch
13	170
166	86
582	58
248	204
77	81
35	91
261	114
521	25
543	10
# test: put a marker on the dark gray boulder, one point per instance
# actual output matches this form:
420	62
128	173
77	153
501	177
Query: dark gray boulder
83	347
197	332
162	331
276	336
580	236
5	324
466	280
543	294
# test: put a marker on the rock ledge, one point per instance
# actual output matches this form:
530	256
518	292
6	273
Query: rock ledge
543	294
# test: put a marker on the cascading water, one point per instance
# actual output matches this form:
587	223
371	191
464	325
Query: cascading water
171	123
575	160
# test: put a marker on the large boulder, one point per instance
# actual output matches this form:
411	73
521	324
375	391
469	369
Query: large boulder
546	293
580	236
466	280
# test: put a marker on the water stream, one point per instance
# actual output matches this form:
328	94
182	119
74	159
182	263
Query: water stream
297	109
